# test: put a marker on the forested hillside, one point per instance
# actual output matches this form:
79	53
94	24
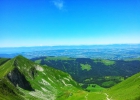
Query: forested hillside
105	73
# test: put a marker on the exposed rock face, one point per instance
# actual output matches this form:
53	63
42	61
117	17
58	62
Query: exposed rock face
18	79
33	72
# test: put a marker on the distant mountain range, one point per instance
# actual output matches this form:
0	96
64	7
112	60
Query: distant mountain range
22	79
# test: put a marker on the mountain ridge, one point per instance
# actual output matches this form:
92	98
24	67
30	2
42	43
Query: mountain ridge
30	78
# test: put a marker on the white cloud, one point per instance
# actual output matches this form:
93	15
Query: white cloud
59	4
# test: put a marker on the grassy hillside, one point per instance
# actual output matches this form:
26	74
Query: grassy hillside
3	60
8	91
22	78
126	90
105	73
6	67
105	62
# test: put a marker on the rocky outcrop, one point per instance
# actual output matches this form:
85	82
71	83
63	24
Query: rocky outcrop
19	79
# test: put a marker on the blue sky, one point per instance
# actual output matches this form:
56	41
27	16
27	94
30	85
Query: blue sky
68	22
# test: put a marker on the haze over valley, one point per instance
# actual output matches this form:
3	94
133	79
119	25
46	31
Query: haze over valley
112	52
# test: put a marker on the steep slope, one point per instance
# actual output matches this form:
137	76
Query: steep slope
7	89
126	90
105	73
3	60
21	79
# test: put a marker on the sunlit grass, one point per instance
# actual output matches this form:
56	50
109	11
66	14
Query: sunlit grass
85	67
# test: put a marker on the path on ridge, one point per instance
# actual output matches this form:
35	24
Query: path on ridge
107	96
86	96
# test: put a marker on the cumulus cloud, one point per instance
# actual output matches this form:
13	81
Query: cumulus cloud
59	4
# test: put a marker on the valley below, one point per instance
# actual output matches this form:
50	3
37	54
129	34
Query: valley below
23	79
70	73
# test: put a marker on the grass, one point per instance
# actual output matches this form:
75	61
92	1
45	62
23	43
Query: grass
58	58
3	60
105	62
8	91
108	83
119	78
85	67
133	59
129	89
38	61
6	68
94	88
83	95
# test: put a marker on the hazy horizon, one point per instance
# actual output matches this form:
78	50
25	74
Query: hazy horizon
27	23
71	45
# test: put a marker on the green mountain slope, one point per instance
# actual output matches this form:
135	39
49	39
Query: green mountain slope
105	73
126	90
22	79
3	60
